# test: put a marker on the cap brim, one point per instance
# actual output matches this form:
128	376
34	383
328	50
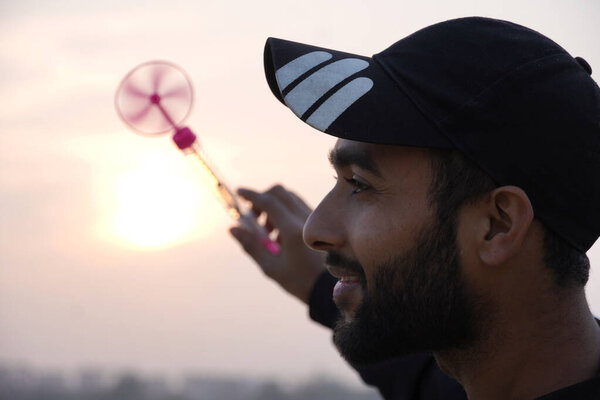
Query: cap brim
346	95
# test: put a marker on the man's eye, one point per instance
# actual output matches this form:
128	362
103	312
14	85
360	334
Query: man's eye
358	186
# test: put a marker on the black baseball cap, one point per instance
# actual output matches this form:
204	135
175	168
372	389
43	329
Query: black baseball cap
508	98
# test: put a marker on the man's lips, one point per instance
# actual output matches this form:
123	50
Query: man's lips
345	285
343	273
347	292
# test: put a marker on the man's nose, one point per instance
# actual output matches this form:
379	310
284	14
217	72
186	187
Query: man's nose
323	230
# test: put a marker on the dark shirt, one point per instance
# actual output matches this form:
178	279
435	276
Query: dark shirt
417	376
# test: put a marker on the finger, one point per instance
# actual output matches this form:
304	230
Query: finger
246	193
278	238
249	195
256	211
251	244
301	203
269	226
289	199
278	212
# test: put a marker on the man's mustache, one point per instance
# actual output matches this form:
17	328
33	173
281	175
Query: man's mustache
335	259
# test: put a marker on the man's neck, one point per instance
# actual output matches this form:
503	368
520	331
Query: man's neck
527	358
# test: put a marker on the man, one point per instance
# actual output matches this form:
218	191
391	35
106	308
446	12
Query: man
468	165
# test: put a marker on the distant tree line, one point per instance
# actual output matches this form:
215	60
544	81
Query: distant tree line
132	387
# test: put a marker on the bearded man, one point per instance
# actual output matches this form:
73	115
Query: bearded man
468	179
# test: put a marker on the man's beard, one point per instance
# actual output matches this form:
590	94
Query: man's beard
418	301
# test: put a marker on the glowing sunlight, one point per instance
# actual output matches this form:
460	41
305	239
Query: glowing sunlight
156	208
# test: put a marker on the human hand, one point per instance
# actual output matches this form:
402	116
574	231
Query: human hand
296	267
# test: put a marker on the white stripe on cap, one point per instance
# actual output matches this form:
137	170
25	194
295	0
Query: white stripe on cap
295	68
338	102
311	89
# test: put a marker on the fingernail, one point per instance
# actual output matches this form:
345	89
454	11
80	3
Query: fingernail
271	246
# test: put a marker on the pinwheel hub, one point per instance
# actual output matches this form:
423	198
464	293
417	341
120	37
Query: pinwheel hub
155	98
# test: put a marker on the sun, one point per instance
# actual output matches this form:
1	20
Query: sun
157	207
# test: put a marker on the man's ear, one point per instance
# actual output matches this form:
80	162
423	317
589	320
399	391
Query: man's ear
510	216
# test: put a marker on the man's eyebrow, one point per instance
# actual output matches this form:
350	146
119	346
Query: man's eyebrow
344	157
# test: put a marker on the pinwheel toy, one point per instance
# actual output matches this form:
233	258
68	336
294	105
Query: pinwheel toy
155	98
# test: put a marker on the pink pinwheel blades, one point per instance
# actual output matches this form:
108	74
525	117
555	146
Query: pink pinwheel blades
155	97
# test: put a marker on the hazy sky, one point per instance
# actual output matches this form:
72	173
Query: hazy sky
111	252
